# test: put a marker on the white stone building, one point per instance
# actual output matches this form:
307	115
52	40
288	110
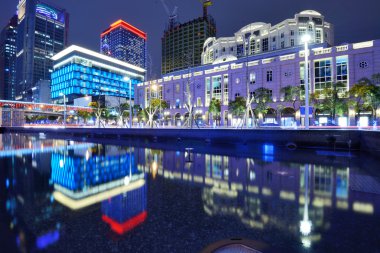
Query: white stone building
258	37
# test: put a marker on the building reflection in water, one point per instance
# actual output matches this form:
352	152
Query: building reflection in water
266	194
25	159
105	174
262	194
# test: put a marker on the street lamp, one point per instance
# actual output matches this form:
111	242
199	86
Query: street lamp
130	100
156	89
305	39
64	102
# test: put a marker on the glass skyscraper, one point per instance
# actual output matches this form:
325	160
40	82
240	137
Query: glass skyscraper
8	59
125	42
41	33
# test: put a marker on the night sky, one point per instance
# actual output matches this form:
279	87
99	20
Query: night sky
354	20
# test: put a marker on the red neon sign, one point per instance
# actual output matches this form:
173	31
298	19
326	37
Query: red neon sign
122	228
129	27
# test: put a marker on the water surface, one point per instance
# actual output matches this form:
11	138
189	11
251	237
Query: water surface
70	196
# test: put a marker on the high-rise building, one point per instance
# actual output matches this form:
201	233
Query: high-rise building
8	59
125	42
182	44
41	33
258	37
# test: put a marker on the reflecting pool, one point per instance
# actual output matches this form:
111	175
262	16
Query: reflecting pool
75	196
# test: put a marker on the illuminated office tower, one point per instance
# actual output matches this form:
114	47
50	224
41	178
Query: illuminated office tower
8	59
42	32
125	42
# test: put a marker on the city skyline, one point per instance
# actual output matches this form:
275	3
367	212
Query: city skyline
85	32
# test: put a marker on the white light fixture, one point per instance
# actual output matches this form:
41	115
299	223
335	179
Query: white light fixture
306	38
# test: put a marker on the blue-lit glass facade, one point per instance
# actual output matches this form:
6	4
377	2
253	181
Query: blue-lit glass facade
76	79
75	173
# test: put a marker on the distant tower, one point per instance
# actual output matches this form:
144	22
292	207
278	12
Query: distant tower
41	33
8	59
183	41
125	42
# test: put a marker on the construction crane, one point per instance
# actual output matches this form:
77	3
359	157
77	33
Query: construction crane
172	16
206	4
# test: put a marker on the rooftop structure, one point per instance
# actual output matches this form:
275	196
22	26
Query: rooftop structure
259	37
125	42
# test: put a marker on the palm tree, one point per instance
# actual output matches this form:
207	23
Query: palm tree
85	115
358	96
292	94
214	109
237	107
261	98
329	100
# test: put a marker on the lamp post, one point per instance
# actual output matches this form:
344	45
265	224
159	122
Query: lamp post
64	112
156	89
130	100
305	39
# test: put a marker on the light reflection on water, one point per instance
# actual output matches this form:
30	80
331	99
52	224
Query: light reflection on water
49	181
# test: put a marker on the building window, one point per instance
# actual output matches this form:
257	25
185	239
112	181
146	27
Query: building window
199	102
322	74
224	49
342	73
251	94
318	36
301	32
252	78
292	42
177	87
208	91
310	28
363	64
282	35
237	95
287	74
231	49
274	39
269	76
225	88
265	46
237	80
291	32
282	44
177	103
252	46
217	87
